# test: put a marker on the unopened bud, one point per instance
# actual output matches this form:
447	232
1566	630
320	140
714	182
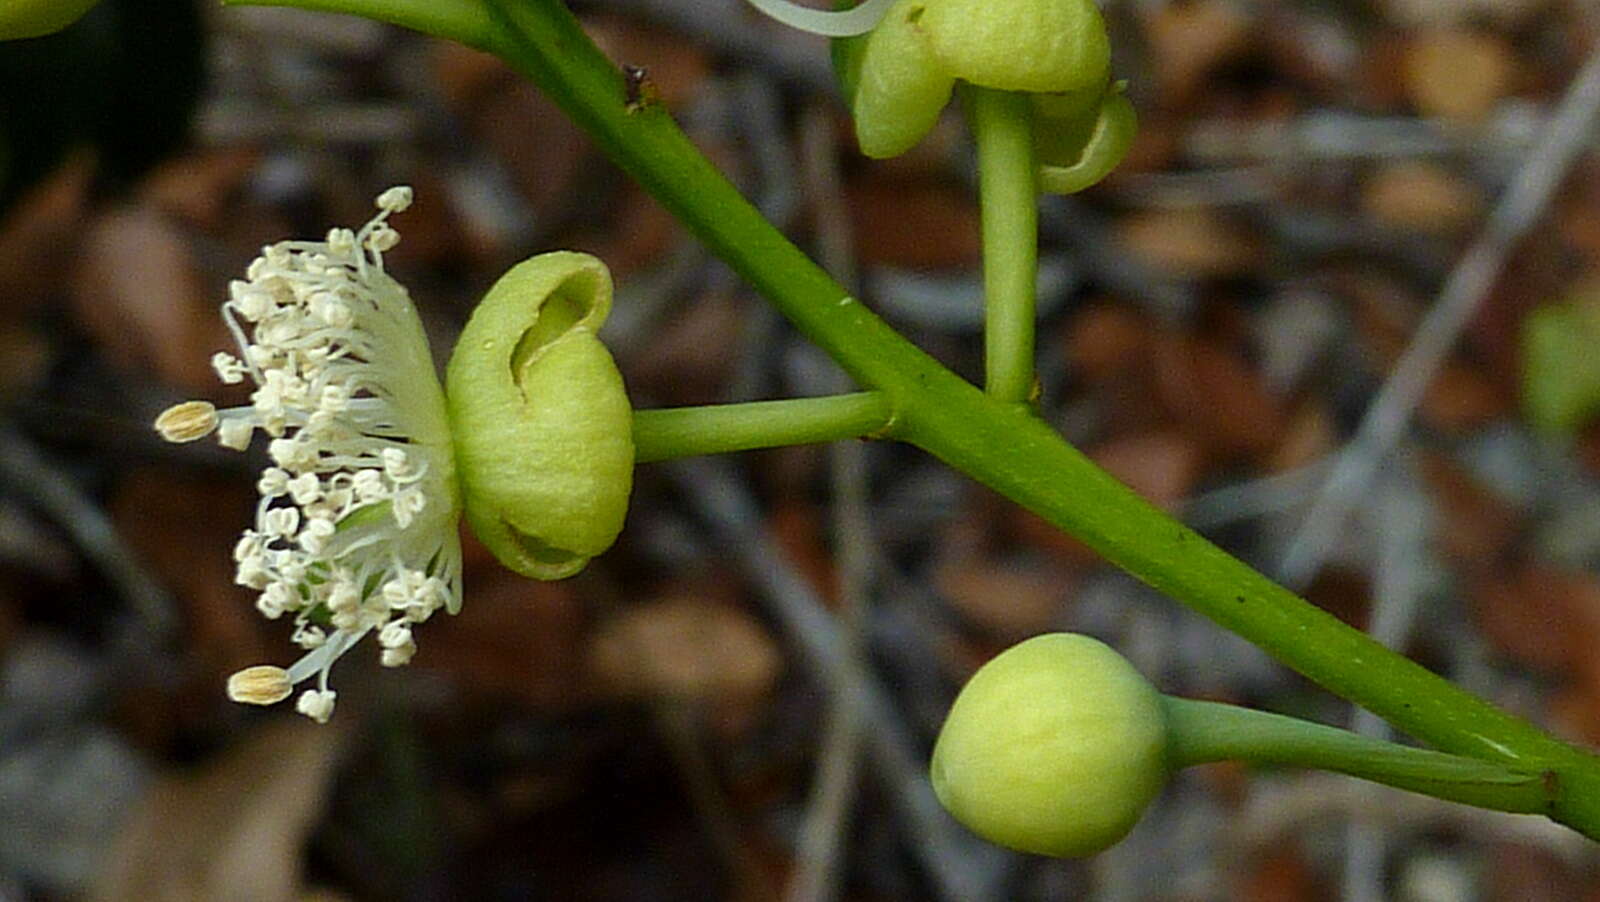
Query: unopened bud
1055	746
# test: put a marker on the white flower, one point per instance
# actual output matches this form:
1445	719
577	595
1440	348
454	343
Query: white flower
355	530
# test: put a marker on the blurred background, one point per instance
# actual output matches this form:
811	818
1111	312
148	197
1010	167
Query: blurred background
1294	318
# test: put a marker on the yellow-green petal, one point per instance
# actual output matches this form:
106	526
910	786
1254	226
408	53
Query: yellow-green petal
901	88
540	419
1019	45
1076	153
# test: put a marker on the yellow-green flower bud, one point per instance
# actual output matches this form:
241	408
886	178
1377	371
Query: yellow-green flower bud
1056	746
541	422
34	18
1080	136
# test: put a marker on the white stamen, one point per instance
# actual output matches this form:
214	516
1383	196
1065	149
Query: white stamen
395	200
262	684
843	23
346	391
316	704
187	421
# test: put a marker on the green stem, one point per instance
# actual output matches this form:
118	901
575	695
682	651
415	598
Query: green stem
1002	126
1000	443
1200	731
667	433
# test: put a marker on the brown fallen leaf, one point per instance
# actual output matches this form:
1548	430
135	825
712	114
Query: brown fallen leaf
1525	872
1463	398
542	151
1280	874
1422	196
137	290
687	648
1308	435
641	233
201	186
913	224
1160	465
1217	396
514	638
1105	340
184	527
800	528
1457	74
1191	242
673	368
1477	528
39	237
233	830
1539	617
1009	601
1189	40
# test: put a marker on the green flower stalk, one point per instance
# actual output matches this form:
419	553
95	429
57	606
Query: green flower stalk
355	531
1057	746
542	423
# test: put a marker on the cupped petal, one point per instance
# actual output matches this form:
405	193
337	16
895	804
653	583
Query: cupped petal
901	87
542	423
1019	45
1075	153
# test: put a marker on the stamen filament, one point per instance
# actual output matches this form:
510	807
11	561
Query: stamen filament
842	23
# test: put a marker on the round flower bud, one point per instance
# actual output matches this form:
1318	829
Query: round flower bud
35	18
542	426
1055	746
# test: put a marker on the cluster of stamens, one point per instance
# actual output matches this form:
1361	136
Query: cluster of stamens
355	529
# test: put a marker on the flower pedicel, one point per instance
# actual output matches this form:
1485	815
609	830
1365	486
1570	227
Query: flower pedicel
355	531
